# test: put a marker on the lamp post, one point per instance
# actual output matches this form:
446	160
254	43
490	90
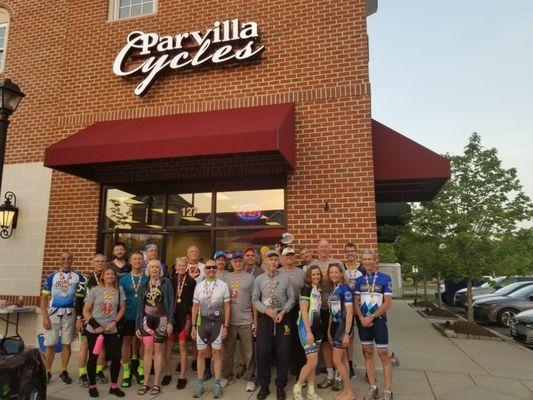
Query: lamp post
10	97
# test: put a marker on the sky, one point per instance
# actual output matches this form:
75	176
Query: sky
441	70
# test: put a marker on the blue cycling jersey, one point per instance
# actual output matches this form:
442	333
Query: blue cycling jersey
340	296
61	286
372	290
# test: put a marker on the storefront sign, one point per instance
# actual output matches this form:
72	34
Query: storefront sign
249	212
148	54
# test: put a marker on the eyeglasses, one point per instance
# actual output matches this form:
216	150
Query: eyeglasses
209	267
368	251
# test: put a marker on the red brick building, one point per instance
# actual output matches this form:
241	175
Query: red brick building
219	154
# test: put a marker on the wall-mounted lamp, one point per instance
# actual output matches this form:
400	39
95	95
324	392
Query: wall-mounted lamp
8	215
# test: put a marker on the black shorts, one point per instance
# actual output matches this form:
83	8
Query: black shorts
209	333
128	328
324	322
378	333
336	331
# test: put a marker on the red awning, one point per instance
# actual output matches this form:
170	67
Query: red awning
403	169
243	130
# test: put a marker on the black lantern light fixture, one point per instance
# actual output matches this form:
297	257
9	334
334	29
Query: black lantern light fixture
8	215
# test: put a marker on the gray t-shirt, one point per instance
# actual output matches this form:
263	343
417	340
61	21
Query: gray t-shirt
105	303
255	271
240	287
297	276
325	289
276	292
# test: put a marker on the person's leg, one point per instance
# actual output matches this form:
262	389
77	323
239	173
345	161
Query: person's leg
200	363
168	355
183	358
368	352
387	367
112	343
91	362
264	345
339	358
51	338
159	349
82	354
148	344
229	352
283	352
247	350
65	356
217	358
125	360
381	337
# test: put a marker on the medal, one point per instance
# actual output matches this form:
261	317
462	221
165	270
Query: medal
371	288
209	292
272	284
180	288
179	300
136	295
134	286
63	283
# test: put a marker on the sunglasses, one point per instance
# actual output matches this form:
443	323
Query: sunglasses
209	267
367	251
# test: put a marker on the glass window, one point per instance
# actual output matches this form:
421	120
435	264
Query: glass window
189	209
238	240
251	207
137	241
130	211
4	22
179	242
133	8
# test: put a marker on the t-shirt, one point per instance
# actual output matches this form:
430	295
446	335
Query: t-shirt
297	276
255	271
154	300
340	296
211	296
240	286
196	271
325	288
120	271
130	290
351	276
311	294
61	286
371	300
273	292
105	301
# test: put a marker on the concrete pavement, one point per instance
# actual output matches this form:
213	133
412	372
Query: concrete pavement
431	367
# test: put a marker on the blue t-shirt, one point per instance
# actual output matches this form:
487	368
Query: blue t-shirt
340	296
61	286
129	291
370	301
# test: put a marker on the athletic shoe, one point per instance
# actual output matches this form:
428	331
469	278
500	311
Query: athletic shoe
325	383
250	386
280	394
166	380
337	386
372	393
263	393
93	392
297	393
101	378
387	395
199	391
63	377
224	382
313	396
217	391
207	375
140	379
117	392
83	381
126	382
181	384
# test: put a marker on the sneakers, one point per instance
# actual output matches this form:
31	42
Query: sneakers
263	393
325	383
387	395
126	382
280	394
297	393
83	381
224	382
181	383
100	377
117	392
93	392
63	377
250	386
207	375
372	393
199	391
313	396
337	385
217	391
166	380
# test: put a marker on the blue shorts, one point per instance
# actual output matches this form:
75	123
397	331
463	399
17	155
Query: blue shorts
315	329
377	333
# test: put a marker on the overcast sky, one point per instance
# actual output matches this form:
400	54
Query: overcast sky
441	70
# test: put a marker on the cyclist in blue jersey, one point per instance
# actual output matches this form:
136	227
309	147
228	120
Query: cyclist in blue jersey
373	296
340	325
58	313
309	330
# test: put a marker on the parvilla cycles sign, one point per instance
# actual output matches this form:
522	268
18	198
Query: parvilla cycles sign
149	55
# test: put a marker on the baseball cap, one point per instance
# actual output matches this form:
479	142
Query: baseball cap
236	254
220	253
288	250
272	253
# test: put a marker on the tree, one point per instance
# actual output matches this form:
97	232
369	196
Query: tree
481	205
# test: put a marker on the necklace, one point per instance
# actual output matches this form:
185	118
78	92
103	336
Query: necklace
371	288
333	292
134	286
180	288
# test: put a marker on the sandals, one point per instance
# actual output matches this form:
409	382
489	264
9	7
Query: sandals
155	390
143	389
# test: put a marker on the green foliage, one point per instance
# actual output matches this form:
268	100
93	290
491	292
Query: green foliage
386	253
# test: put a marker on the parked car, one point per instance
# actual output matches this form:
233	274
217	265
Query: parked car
502	309
487	288
22	371
504	291
448	289
522	327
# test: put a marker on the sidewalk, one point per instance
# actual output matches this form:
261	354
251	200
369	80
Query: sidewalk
432	367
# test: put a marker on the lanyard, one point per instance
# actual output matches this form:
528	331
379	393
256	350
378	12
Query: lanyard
209	290
371	288
180	287
134	286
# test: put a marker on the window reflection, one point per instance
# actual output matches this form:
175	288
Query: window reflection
189	209
129	211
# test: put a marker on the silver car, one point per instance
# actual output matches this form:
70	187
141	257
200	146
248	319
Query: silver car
522	327
460	297
504	291
502	309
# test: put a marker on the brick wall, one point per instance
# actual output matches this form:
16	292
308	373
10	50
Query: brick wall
61	53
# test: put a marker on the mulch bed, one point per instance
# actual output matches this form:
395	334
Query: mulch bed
464	330
436	312
423	304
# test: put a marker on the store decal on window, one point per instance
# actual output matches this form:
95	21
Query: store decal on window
148	54
249	212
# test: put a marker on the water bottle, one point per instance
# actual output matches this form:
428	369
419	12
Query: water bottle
98	344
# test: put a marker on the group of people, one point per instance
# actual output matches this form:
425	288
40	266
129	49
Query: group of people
130	312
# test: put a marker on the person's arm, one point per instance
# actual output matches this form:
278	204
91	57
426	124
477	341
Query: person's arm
194	319
387	302
87	314
45	298
169	301
304	312
140	307
256	298
290	297
121	304
256	315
